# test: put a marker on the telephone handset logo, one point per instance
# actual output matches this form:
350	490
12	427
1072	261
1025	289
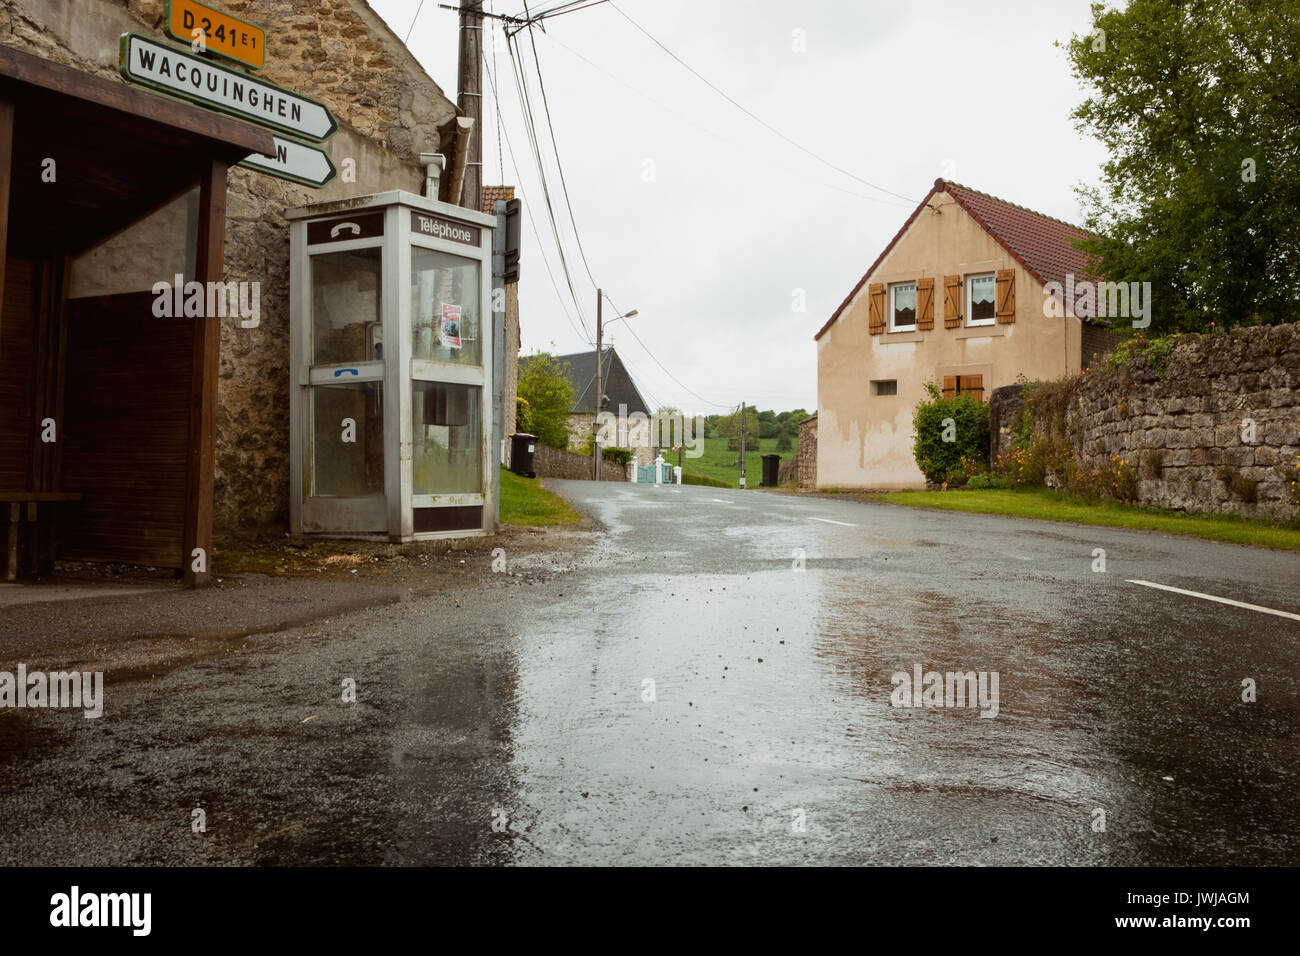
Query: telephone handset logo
356	230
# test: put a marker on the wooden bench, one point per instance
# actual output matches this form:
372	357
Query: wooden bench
24	503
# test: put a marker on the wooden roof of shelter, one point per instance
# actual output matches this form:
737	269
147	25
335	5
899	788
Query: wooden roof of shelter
118	149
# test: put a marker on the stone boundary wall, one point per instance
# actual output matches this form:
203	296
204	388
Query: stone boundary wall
552	463
1006	405
1186	422
806	456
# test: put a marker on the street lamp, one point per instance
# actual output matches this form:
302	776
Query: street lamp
600	382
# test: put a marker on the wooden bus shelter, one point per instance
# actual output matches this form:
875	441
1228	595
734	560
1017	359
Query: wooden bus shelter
107	411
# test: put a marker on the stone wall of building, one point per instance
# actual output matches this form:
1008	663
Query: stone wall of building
490	194
1212	426
389	110
807	454
552	463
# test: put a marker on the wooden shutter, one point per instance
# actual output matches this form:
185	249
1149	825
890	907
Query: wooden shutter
972	385
925	304
951	302
1006	296
950	386
876	308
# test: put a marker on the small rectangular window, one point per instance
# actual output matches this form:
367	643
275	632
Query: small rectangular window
902	307
885	387
981	300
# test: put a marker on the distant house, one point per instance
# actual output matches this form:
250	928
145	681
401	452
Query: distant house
980	263
623	402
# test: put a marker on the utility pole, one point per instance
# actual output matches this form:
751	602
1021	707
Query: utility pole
470	98
600	392
742	444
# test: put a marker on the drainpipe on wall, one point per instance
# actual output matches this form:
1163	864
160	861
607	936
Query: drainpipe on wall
459	158
434	164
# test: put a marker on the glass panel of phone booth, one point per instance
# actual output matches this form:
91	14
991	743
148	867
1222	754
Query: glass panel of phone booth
347	440
446	447
445	294
346	309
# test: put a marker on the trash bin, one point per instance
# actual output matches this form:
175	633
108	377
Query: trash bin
522	448
771	470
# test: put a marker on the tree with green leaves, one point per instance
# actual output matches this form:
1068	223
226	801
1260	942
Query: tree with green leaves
666	427
1198	104
544	384
729	427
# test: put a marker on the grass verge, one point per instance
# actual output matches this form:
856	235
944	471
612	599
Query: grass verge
717	462
1047	505
525	502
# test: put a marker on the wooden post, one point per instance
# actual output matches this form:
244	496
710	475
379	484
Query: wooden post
208	267
595	425
6	169
470	99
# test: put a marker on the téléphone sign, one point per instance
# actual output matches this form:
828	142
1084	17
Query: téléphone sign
221	33
436	227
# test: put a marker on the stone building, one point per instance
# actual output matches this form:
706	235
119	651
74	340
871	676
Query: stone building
389	112
626	419
513	342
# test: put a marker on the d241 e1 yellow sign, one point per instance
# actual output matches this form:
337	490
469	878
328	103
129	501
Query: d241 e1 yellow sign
221	33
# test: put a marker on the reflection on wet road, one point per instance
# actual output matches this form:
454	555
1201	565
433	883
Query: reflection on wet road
772	692
712	680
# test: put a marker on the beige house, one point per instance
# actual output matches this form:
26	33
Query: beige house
957	298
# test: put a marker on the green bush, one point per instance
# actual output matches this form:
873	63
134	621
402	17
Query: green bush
523	416
618	456
969	433
986	481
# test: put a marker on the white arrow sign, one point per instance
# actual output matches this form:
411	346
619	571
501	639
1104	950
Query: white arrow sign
167	69
294	161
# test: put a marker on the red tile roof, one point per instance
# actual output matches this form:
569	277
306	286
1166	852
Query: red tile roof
1042	244
490	194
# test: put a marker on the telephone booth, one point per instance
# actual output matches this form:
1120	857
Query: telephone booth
391	342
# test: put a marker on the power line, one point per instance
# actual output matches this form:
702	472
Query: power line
647	351
521	86
496	102
754	116
682	117
556	149
532	220
520	22
411	28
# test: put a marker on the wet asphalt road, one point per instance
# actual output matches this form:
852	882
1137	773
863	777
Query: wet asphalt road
522	700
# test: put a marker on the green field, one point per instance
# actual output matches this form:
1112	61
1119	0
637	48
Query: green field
1048	505
525	502
716	462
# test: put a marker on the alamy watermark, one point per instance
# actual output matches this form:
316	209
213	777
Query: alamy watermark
60	689
212	300
953	689
75	909
1099	300
636	430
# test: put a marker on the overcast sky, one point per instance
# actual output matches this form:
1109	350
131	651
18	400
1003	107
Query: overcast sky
709	224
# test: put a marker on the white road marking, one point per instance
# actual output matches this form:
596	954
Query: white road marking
829	521
1221	600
